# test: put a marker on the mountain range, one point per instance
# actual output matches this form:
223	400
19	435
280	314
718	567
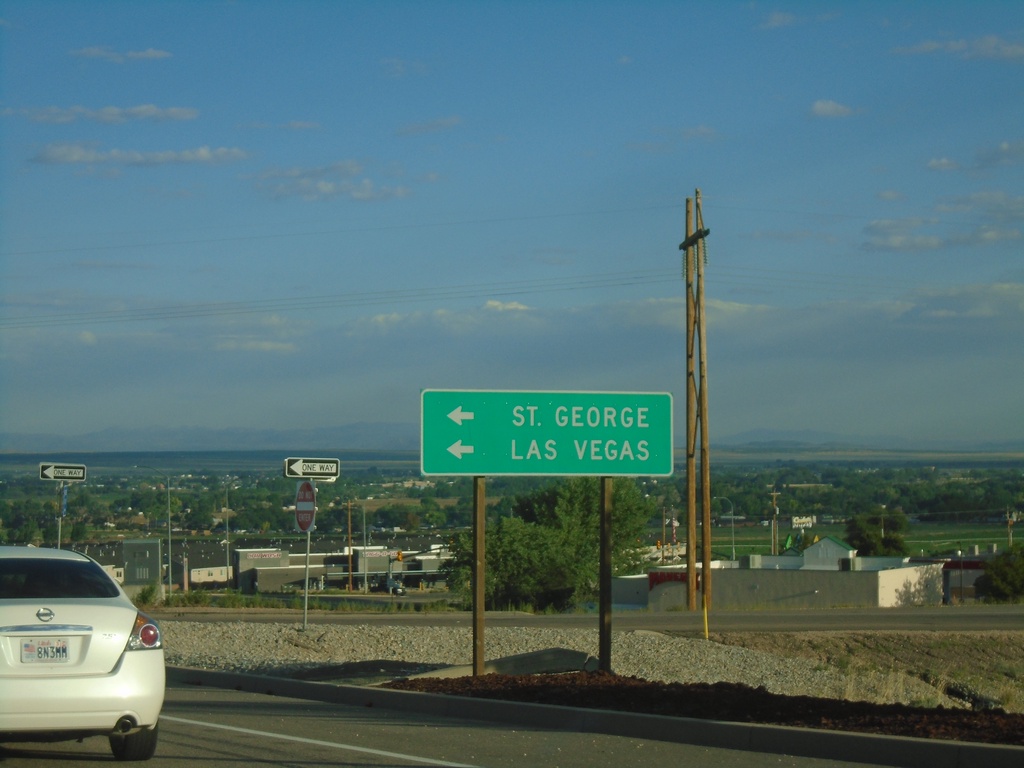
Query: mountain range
406	437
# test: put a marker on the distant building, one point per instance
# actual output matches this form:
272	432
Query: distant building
828	574
142	560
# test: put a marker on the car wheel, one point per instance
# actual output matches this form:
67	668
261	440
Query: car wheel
135	746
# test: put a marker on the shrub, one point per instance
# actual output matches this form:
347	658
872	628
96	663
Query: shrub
146	597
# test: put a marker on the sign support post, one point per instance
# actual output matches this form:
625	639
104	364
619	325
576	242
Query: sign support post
604	645
65	473
63	511
305	517
305	597
479	516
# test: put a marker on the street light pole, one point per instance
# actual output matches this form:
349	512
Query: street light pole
732	516
167	486
362	555
961	553
227	539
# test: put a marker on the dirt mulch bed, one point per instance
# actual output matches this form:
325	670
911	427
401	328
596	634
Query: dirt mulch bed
730	702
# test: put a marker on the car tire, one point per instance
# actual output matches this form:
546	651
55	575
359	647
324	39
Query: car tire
140	745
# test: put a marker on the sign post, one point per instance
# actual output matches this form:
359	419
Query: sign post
64	473
305	517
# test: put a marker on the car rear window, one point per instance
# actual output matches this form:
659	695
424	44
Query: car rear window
24	578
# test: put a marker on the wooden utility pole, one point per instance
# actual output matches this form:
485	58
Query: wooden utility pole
694	256
691	416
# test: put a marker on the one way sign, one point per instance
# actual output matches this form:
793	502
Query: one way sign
72	472
317	469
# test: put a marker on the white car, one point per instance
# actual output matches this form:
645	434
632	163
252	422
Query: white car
77	658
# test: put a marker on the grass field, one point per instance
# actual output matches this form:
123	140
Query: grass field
922	539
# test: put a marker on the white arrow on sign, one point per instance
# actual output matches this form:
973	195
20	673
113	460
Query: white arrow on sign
459	416
458	450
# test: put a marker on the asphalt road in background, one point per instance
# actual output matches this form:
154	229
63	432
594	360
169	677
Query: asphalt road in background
216	728
946	619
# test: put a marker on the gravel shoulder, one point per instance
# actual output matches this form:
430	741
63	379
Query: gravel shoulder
924	669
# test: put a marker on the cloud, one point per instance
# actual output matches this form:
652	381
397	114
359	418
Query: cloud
106	54
399	68
652	147
1005	154
255	345
999	212
432	126
899	235
725	315
669	141
1001	302
80	154
702	132
109	115
790	236
325	183
996	206
778	20
505	306
988	47
935	356
828	108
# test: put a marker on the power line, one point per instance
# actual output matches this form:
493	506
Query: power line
720	204
736	278
329	301
388	227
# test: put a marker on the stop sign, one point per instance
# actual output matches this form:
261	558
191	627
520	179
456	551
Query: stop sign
305	505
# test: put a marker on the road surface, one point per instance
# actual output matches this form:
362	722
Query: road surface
216	728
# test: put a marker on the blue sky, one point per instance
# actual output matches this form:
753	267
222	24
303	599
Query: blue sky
299	214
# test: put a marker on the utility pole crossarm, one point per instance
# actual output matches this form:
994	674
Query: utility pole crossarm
693	239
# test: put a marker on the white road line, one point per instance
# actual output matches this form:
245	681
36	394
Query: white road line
317	742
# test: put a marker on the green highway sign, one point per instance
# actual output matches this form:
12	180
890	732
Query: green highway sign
487	432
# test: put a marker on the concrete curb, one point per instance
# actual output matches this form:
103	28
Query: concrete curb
550	660
803	742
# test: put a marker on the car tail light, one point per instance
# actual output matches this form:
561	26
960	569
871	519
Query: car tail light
145	634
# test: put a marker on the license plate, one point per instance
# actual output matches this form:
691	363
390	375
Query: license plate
50	650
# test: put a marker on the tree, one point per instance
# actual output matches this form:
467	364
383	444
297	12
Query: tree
435	518
547	554
1003	579
79	531
520	570
878	533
